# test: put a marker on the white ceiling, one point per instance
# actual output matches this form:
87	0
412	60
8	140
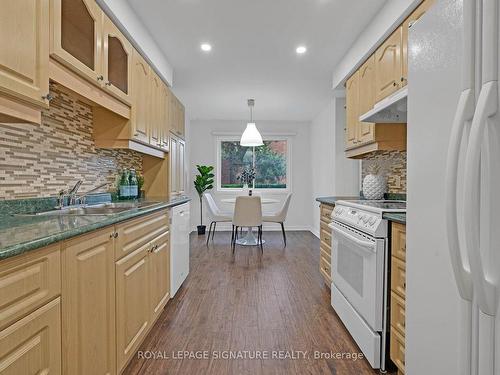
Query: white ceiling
253	52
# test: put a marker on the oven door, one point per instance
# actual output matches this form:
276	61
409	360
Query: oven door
358	271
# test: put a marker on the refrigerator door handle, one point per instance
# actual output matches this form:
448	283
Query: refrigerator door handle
487	106
464	112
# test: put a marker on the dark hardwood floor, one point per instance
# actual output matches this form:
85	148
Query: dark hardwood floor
249	303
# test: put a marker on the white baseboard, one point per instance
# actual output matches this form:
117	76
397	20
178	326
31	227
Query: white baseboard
315	232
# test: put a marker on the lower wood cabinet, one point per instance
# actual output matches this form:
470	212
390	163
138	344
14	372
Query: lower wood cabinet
88	297
398	296
325	243
159	267
32	345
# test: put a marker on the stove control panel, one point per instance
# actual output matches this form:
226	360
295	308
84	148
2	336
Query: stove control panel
369	222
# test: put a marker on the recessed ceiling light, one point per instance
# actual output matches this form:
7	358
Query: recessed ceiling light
206	47
301	50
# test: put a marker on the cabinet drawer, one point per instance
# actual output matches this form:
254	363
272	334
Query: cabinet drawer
32	345
325	253
27	282
399	241
398	313
325	236
137	232
324	267
326	213
398	350
398	277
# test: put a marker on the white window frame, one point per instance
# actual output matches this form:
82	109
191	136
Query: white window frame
265	137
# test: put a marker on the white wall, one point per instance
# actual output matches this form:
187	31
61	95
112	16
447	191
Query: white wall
202	150
332	174
127	21
387	19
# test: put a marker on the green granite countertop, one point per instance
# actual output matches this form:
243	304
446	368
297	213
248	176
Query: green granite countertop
396	217
22	233
331	200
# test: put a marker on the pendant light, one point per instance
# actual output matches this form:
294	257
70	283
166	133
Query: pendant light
251	136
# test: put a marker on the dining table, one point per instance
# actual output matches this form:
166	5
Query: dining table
249	239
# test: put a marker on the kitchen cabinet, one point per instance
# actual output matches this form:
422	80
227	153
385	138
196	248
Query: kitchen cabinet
28	282
32	345
366	130
398	296
159	280
389	65
76	37
24	57
88	301
24	60
414	17
157	109
165	127
177	117
141	81
352	108
177	165
325	243
117	61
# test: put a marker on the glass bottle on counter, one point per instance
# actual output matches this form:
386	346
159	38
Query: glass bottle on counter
125	185
134	191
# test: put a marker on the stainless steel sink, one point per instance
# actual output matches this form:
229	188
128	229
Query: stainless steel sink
97	209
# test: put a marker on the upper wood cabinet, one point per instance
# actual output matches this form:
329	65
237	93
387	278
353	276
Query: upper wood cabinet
76	36
177	114
157	109
24	52
88	301
141	77
388	65
352	108
117	69
165	128
366	130
177	166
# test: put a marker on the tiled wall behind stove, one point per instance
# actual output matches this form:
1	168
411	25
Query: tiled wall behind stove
392	164
39	160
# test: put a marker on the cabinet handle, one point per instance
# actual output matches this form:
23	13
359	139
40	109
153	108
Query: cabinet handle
116	235
111	235
394	83
100	78
403	79
108	83
48	97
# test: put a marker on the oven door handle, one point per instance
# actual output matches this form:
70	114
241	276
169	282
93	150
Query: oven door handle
364	244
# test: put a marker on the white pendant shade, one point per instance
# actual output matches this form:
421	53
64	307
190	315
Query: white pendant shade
251	136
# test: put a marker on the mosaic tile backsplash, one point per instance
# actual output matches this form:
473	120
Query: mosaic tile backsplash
392	164
40	160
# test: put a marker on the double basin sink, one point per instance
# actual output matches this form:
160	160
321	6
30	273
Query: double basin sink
97	209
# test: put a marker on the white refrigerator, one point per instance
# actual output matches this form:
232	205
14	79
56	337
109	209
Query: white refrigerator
453	237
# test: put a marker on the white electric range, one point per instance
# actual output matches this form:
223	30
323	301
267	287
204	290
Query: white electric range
360	252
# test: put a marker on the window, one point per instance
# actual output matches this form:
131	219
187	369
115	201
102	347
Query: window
271	163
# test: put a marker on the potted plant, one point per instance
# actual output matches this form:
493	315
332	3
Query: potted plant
203	182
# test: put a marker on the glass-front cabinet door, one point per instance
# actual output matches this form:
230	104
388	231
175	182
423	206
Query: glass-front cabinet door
76	36
117	52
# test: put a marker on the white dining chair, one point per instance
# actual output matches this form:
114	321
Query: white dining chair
216	215
247	213
279	217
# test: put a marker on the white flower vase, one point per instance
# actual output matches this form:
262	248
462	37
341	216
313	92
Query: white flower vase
374	186
245	189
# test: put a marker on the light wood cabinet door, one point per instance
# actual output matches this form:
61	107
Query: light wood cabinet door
180	129
88	304
133	311
181	160
366	99
117	61
32	345
165	129
24	52
76	36
159	266
414	17
27	282
388	66
173	156
156	109
141	83
352	108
